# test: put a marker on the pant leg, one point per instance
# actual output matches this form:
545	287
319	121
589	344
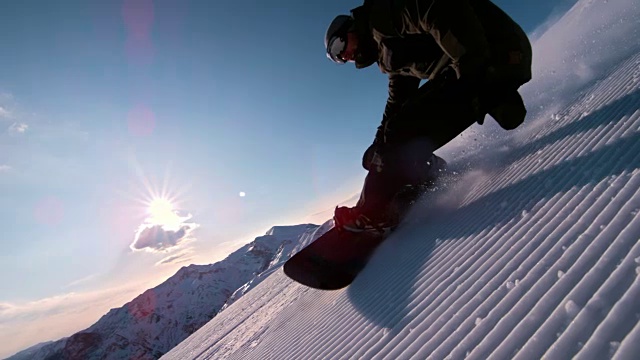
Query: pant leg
442	109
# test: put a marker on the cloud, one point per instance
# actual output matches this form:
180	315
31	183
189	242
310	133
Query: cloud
158	238
18	128
165	229
81	281
175	259
4	113
25	324
5	169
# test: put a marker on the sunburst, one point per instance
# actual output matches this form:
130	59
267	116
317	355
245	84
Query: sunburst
155	201
162	212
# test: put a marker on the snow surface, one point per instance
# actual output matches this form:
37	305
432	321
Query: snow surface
533	252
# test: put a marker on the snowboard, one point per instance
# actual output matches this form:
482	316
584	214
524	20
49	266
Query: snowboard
333	260
336	258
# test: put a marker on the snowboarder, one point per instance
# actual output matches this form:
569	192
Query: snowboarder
474	58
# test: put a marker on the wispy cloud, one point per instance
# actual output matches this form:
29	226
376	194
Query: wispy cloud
23	325
4	113
5	168
6	104
175	259
81	281
18	128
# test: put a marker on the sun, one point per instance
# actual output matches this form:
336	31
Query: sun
160	207
162	212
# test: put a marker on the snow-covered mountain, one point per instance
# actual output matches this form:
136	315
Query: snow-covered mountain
160	318
534	252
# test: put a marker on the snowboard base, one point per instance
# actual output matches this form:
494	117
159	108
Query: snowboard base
333	260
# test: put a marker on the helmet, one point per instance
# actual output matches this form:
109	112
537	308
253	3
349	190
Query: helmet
335	40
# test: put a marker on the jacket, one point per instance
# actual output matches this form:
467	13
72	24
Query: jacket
416	39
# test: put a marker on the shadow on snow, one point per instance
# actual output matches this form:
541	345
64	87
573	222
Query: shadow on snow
383	291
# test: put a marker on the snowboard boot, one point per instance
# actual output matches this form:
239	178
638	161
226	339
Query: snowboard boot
383	221
353	220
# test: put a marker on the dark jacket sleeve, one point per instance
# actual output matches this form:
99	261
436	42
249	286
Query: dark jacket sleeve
455	27
401	88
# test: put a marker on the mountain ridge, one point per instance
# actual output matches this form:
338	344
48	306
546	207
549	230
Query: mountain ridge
159	318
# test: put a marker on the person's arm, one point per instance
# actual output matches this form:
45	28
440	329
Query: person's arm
455	27
401	88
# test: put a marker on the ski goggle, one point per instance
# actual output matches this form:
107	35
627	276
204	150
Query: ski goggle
335	48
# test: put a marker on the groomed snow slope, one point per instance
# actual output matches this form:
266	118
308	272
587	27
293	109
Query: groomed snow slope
533	252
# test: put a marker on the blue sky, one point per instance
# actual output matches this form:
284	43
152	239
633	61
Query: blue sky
107	105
